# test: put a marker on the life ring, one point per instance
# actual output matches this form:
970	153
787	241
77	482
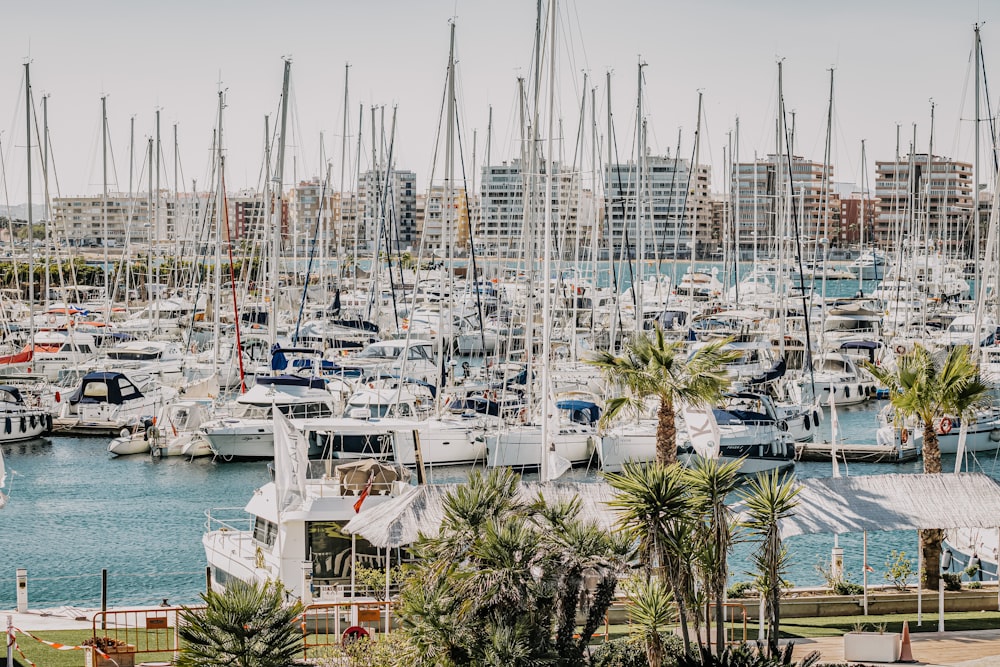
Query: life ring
945	426
353	634
52	319
522	415
904	436
782	425
900	349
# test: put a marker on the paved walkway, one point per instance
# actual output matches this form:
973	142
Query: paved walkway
971	648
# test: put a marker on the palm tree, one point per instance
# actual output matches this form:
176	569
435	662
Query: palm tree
928	389
711	483
768	499
651	611
655	512
248	625
656	368
504	580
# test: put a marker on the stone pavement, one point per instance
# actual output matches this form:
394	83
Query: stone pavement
970	648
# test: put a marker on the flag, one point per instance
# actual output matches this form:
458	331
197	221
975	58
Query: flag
834	433
364	494
869	568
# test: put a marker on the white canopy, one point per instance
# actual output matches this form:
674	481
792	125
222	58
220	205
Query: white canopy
396	523
894	502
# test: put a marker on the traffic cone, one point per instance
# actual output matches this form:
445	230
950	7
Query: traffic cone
905	654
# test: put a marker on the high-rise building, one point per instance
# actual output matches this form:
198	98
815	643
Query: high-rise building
770	205
672	201
924	197
858	214
388	203
441	232
500	223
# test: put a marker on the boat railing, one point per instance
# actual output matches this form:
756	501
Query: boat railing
228	519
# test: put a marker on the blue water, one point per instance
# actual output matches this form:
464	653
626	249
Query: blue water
73	511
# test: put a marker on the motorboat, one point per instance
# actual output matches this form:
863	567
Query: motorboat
18	421
105	402
175	433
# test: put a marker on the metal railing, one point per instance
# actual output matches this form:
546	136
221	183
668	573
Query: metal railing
325	624
731	624
146	633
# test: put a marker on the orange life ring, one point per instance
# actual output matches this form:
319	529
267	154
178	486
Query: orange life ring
900	349
904	436
945	426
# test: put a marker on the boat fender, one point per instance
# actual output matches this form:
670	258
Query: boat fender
58	397
353	634
847	392
868	390
945	426
7	426
900	349
995	435
861	390
816	418
782	425
807	422
24	424
48	423
904	436
32	421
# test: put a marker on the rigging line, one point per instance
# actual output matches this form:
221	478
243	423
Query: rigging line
989	111
472	244
625	237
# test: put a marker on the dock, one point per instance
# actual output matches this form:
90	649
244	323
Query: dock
856	453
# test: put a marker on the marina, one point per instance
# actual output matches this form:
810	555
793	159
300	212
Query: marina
568	376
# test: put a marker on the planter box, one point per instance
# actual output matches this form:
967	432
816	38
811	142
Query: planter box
871	646
120	656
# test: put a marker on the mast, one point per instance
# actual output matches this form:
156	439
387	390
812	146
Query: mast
277	208
343	154
220	203
104	201
547	256
45	190
640	126
976	291
31	246
149	237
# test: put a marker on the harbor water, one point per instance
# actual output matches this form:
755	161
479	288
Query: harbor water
73	511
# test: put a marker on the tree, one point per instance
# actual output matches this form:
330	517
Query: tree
711	483
651	611
248	625
655	513
656	368
504	580
929	389
767	500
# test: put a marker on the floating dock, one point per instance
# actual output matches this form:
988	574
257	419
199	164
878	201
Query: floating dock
856	453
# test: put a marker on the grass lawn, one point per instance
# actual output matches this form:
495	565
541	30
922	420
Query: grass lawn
46	656
832	626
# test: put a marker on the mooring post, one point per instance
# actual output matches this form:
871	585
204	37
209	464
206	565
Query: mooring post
104	598
22	590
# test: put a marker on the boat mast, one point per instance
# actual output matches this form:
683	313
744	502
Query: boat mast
220	202
276	208
45	190
975	187
343	162
104	202
547	256
640	212
31	248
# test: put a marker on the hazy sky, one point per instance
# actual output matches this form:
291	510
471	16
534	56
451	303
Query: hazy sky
891	58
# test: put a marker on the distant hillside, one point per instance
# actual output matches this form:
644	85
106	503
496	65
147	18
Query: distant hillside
20	211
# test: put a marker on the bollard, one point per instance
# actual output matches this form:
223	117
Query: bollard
22	590
940	605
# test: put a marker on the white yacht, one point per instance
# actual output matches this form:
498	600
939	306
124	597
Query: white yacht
105	402
298	519
840	374
18	421
248	432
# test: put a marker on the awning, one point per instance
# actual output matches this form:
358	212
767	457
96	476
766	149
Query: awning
420	509
894	502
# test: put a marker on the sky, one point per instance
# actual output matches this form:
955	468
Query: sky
891	59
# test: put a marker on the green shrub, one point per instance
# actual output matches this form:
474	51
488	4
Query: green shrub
631	652
845	587
952	581
974	585
742	589
899	569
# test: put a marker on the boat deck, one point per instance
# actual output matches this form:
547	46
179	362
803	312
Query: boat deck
855	453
